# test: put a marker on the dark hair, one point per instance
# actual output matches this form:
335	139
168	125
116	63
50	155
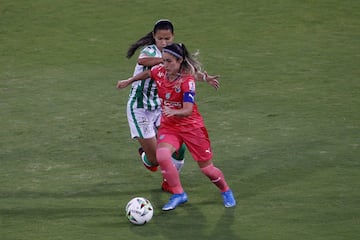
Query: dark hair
189	64
148	39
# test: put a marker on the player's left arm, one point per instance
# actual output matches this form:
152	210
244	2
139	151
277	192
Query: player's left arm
185	111
188	89
213	80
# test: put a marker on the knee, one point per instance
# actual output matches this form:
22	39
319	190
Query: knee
208	169
163	154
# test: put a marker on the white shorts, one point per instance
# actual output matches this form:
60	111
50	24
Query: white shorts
143	123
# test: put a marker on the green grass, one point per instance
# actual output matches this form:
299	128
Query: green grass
284	125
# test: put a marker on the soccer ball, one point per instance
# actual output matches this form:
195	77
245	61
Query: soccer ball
139	211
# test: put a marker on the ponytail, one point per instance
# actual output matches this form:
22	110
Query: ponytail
146	40
190	63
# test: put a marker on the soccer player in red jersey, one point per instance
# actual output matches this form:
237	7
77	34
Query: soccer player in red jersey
143	106
181	122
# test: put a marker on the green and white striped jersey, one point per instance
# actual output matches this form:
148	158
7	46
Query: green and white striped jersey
143	94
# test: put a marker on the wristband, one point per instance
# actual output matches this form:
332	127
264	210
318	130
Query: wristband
204	77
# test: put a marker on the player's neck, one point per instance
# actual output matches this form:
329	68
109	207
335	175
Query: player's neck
173	77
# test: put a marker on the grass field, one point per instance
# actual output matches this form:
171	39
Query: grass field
285	125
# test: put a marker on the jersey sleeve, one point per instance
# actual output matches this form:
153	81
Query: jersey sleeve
156	71
148	51
188	88
188	85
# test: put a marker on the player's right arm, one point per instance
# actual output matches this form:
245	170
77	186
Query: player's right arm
149	61
140	76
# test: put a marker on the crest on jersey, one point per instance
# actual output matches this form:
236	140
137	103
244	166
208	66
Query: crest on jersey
177	89
192	86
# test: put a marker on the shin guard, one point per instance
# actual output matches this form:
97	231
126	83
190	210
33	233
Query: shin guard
216	176
168	169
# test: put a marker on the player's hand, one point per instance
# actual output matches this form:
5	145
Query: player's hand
212	80
123	83
168	112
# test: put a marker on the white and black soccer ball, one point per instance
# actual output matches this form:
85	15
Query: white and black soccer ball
139	210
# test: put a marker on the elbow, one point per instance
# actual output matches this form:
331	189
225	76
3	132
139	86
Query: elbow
141	62
187	113
187	109
147	62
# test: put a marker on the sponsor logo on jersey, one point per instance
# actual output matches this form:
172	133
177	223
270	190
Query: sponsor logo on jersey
173	104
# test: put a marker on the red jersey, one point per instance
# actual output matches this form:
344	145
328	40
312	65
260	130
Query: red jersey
172	95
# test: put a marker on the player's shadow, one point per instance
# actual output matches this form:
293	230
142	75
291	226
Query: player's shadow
186	222
223	228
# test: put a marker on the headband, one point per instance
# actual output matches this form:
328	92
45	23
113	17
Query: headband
162	20
172	53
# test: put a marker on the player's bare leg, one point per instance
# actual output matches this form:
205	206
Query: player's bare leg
148	146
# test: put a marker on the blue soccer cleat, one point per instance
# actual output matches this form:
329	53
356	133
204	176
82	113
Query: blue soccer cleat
175	200
229	200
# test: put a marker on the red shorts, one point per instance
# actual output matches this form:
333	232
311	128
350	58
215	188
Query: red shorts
197	141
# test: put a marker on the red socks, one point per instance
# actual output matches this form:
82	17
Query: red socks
168	169
216	176
171	174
